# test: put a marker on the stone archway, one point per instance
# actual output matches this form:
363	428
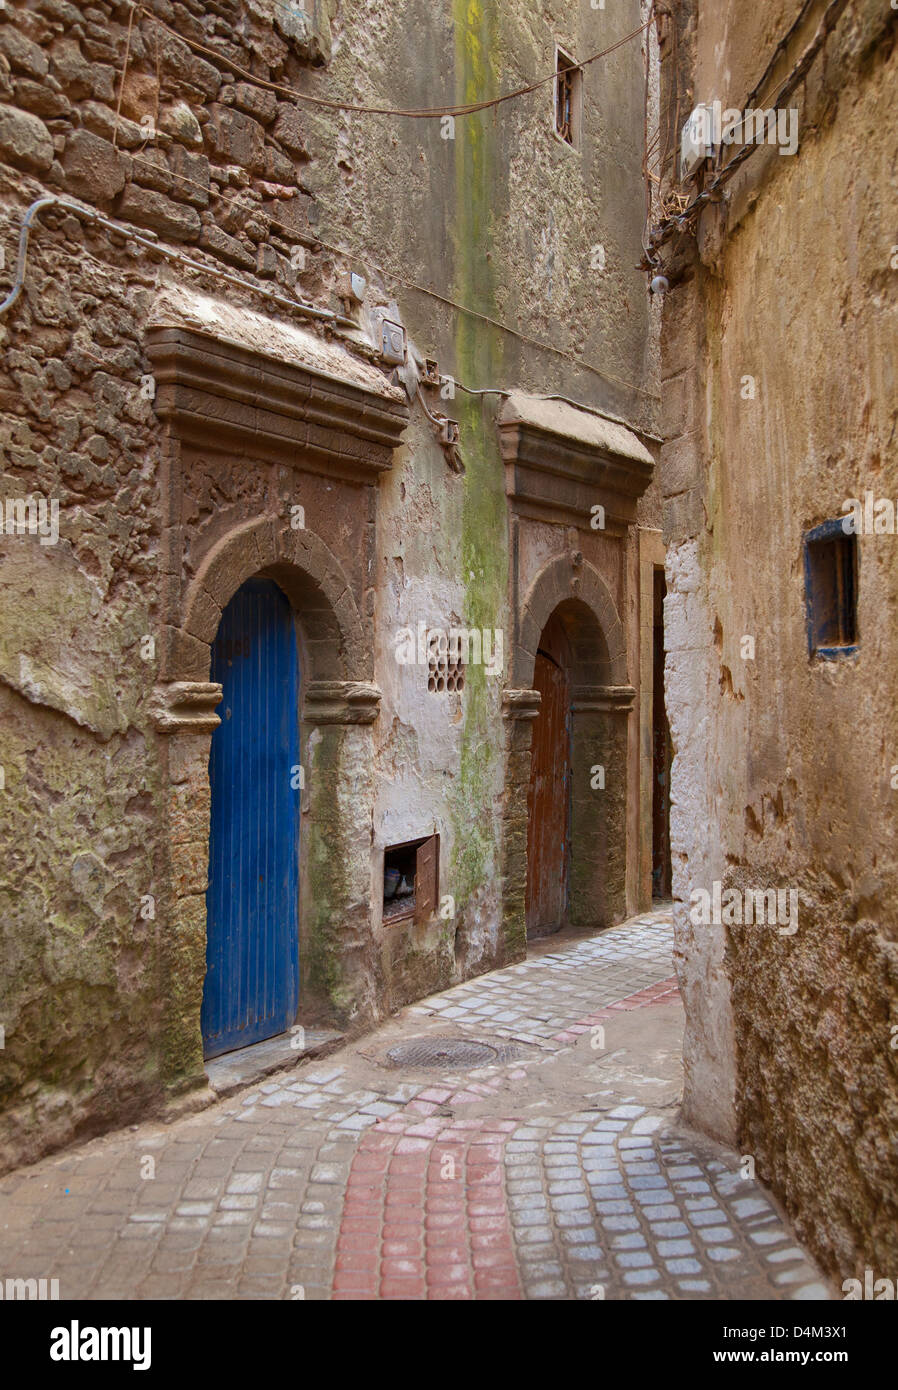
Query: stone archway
339	703
573	594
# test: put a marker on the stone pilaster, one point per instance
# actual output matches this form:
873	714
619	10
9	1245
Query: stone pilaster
519	709
184	711
338	957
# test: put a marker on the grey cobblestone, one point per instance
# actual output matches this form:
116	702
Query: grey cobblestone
247	1198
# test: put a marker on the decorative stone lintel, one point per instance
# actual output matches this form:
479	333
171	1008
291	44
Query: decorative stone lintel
603	699
560	459
186	707
222	397
520	704
341	702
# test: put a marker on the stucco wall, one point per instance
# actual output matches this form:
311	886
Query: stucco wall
99	1001
782	771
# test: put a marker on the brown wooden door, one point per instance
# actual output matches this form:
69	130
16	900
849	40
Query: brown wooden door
547	802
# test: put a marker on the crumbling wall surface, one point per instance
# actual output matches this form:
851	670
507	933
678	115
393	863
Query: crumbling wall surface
783	771
692	690
79	986
487	217
126	119
497	223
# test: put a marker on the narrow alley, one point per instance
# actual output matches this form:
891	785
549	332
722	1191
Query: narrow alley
536	1154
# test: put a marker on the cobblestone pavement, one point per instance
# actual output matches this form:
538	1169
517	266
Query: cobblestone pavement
558	1171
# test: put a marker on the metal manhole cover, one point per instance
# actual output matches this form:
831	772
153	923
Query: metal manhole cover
446	1053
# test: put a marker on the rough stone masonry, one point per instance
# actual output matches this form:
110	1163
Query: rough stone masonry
190	373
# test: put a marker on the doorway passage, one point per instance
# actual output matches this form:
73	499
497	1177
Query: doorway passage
251	987
661	752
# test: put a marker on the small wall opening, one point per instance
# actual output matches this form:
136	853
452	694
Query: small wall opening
661	751
568	98
830	563
411	880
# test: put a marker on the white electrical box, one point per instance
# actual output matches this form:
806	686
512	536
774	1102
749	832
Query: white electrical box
392	339
697	139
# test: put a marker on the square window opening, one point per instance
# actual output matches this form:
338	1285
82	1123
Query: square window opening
568	98
831	591
411	882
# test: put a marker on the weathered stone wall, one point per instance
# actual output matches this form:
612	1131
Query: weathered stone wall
105	832
782	771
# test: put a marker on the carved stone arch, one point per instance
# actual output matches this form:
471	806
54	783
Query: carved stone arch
573	592
600	645
336	644
339	704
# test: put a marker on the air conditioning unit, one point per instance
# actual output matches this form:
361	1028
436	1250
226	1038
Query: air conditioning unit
697	139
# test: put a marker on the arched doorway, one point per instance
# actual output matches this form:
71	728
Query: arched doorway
576	852
252	940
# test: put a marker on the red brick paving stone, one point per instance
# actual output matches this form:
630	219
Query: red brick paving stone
408	1163
358	1240
451	1272
403	1268
355	1280
490	1240
664	992
360	1225
428	1129
488	1223
411	1146
350	1260
409	1233
445	1220
401	1247
446	1252
497	1279
402	1230
493	1259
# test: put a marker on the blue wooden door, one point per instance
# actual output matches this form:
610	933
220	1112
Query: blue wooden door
252	940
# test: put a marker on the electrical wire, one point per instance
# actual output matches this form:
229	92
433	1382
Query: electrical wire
684	221
422	113
306	309
487	318
92	215
274	222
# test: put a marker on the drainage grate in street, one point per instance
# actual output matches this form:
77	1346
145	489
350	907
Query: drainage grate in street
446	1053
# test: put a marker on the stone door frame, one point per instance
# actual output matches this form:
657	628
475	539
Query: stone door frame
219	399
601	702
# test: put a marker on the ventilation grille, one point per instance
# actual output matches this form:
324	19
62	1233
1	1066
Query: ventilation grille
445	670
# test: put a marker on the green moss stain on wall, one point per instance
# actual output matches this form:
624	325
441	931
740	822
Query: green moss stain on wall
328	893
478	356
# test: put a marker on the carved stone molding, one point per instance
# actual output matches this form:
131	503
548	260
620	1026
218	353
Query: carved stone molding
219	396
520	704
341	702
602	699
186	707
560	461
